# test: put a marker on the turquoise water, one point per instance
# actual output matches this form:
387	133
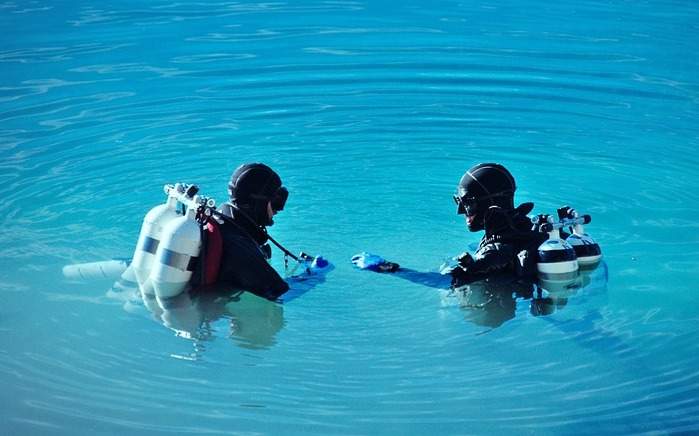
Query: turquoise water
370	112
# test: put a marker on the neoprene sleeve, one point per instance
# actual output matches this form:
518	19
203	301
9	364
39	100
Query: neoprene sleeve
244	265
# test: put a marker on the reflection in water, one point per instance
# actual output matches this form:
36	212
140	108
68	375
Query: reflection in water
492	302
254	321
552	295
589	329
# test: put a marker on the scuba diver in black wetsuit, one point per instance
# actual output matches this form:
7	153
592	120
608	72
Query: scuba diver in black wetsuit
485	196
233	264
256	195
502	269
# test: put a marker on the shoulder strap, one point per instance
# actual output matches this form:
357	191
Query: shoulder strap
213	252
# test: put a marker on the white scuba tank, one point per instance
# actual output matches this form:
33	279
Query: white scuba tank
556	258
586	249
107	269
176	256
149	239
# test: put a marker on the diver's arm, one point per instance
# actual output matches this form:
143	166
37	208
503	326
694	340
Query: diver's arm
491	259
488	262
426	278
469	270
310	275
373	262
246	267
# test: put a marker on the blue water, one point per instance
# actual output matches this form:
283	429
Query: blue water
370	112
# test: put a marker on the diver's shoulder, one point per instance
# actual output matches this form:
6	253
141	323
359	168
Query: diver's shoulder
232	233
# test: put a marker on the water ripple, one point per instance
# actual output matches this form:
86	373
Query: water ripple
57	54
178	12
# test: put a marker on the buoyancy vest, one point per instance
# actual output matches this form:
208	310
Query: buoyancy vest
211	253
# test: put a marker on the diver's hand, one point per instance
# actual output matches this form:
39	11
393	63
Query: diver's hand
319	265
461	262
372	262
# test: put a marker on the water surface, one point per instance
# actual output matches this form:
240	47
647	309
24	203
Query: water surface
370	112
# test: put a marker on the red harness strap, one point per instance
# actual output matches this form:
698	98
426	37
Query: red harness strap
214	251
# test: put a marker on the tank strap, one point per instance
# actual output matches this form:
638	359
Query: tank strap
149	245
555	256
181	261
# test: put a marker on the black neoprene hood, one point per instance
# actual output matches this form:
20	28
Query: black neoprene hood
251	182
252	187
486	180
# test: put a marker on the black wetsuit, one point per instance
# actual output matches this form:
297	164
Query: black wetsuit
508	246
244	258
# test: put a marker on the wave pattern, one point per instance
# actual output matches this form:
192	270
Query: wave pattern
371	114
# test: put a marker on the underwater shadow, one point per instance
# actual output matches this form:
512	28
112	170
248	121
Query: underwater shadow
494	301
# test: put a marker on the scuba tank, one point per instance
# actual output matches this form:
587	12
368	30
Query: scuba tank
586	249
190	243
556	258
107	269
564	263
149	240
179	248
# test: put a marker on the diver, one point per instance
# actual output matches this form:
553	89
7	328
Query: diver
485	196
256	196
200	247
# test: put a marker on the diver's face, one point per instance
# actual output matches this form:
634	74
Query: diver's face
270	212
471	210
474	222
